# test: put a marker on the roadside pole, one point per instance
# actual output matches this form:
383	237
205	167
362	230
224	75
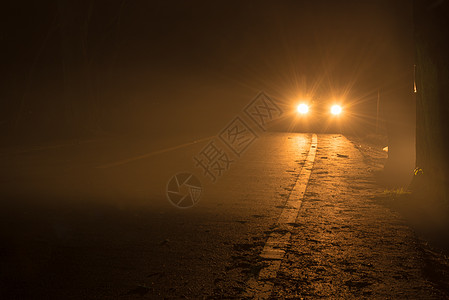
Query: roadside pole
377	113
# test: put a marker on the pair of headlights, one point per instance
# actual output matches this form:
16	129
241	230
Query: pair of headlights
304	109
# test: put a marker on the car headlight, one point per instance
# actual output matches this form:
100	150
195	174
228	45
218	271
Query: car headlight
336	109
302	108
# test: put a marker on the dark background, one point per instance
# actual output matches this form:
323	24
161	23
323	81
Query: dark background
152	68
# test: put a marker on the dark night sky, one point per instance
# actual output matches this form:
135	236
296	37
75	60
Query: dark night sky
141	63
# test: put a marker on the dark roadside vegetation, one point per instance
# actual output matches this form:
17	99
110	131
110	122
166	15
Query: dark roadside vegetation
428	217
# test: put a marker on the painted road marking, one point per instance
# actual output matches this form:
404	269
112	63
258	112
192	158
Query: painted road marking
278	241
134	158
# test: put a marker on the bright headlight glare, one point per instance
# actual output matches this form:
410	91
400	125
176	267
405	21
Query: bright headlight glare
336	109
303	108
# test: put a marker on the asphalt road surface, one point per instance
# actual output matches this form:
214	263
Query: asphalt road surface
291	216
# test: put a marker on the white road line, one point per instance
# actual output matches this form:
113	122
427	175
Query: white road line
278	241
134	158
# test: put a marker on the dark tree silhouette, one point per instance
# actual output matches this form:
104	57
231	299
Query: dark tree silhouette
432	82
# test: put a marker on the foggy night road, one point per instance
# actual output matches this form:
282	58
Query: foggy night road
105	228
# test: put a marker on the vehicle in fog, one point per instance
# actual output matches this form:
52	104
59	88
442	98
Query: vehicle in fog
319	116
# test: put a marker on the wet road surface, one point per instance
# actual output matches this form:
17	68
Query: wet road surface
92	221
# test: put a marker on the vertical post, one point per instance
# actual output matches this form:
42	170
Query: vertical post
414	79
377	113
